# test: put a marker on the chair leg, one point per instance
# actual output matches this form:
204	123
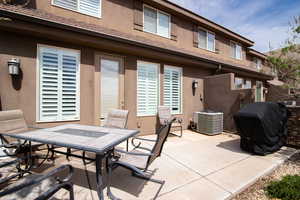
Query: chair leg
109	193
147	178
68	154
71	192
181	131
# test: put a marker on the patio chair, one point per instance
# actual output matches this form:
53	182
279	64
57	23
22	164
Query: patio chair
39	186
13	122
164	115
140	158
116	118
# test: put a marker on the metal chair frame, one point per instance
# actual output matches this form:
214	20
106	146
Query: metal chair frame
61	184
151	154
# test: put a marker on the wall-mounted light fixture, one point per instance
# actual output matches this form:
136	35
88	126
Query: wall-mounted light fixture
195	84
14	66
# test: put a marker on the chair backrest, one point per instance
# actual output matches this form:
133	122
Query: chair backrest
12	121
162	135
117	119
164	114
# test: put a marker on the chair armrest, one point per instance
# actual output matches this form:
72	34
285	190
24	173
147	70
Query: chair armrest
133	153
143	148
144	139
179	120
10	145
35	127
139	143
5	164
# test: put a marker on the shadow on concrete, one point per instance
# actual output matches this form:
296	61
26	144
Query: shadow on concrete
232	145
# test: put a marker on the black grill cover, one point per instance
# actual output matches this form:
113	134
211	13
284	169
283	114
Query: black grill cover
262	127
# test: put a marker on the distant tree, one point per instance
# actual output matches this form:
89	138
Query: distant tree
286	61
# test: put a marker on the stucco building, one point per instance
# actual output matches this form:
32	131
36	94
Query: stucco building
79	58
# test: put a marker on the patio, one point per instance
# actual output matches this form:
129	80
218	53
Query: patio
193	166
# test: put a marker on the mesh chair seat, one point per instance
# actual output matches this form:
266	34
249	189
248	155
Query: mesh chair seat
137	161
31	192
9	170
176	124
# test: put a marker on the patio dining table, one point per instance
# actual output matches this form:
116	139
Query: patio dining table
95	139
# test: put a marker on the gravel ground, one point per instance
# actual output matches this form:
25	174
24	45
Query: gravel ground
256	191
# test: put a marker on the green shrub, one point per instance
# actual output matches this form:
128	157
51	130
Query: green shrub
286	189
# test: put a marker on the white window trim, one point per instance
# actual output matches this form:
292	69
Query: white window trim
207	31
157	11
236	43
181	88
39	46
78	11
158	92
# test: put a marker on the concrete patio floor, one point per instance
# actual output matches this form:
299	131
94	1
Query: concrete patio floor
194	167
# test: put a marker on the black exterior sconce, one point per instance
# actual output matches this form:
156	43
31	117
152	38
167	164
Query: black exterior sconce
13	66
195	84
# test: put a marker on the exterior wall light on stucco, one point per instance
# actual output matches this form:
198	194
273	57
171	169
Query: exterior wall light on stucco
195	84
14	66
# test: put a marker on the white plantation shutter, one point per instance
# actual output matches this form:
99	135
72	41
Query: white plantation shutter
172	88
59	85
69	4
49	84
147	88
89	7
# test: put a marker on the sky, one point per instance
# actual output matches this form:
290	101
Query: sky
266	22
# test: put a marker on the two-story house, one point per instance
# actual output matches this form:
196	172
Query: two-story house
80	58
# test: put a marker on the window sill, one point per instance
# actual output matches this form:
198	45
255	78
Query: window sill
58	121
169	37
216	52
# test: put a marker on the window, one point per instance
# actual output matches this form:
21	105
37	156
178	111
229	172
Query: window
259	91
241	83
156	22
147	88
173	88
236	50
258	63
58	84
206	40
88	7
238	83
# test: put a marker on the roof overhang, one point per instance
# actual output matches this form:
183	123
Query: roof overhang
257	54
29	19
276	82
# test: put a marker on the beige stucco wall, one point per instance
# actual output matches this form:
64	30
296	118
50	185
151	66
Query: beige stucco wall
225	98
118	15
21	93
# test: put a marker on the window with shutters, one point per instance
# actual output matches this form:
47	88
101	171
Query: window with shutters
88	7
236	50
147	88
258	63
241	83
206	40
157	22
58	84
173	89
